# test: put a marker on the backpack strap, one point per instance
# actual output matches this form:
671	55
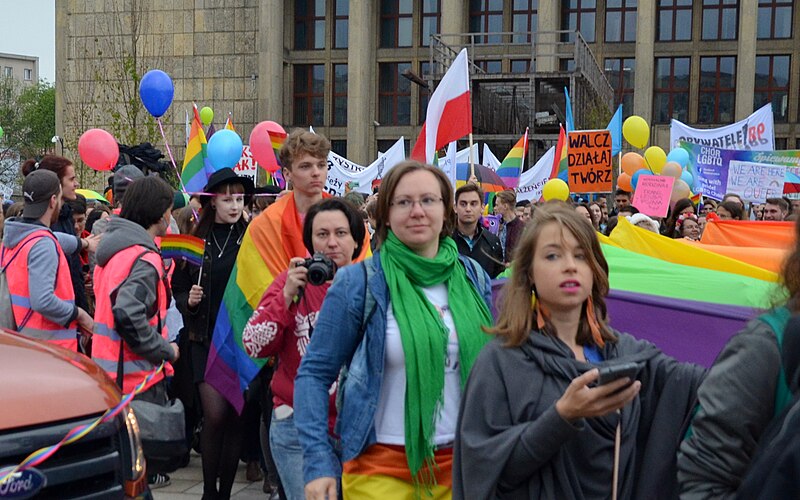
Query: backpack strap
777	320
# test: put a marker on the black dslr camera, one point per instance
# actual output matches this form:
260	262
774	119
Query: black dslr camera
320	269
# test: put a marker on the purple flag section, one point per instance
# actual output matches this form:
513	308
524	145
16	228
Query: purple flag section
687	330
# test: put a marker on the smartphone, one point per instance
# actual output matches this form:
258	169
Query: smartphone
613	372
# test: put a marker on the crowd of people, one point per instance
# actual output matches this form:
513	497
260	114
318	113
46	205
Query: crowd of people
394	369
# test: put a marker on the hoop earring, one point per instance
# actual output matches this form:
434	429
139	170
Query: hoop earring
594	325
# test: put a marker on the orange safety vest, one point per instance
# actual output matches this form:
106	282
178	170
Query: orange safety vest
31	323
106	341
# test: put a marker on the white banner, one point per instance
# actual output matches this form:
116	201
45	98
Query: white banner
532	181
755	133
489	159
247	166
341	170
463	155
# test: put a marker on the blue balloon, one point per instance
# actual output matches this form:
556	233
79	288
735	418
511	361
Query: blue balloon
156	91
224	149
637	174
688	178
679	156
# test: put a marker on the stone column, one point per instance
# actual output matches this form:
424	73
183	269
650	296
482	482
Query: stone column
362	82
452	22
62	32
546	39
645	63
746	58
270	61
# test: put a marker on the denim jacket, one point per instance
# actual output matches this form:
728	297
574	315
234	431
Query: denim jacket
337	341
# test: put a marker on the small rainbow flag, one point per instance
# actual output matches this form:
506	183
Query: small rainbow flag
511	166
560	160
196	167
229	123
184	247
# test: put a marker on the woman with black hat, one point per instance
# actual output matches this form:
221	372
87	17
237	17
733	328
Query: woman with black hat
198	293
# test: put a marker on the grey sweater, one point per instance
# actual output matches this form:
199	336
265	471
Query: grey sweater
512	444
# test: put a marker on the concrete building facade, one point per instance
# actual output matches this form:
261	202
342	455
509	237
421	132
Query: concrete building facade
25	69
339	65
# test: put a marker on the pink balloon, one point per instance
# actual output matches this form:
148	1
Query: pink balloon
263	139
98	149
672	169
679	190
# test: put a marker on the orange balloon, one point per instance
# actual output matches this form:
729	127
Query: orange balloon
672	169
624	182
632	162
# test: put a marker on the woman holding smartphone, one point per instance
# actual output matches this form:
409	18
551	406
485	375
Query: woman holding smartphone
534	423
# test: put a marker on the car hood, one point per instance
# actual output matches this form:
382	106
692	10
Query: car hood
45	383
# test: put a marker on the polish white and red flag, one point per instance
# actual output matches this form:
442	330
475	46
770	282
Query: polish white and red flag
449	115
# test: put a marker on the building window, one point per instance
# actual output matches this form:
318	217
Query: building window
385	144
717	90
772	85
774	19
309	94
396	23
424	93
8	71
579	15
781	143
674	20
490	67
671	95
309	24
394	94
520	65
339	95
431	17
621	74
340	24
339	147
27	74
720	19
621	21
524	19
486	16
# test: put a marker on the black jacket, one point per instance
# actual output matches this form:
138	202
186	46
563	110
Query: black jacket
487	251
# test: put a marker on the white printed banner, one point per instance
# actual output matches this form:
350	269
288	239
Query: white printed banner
341	170
532	181
754	133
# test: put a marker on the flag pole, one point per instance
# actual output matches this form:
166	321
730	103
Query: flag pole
471	161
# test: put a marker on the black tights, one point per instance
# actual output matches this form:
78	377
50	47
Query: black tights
221	443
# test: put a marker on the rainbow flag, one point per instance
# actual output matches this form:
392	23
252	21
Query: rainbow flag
184	247
271	240
229	123
560	160
511	166
196	167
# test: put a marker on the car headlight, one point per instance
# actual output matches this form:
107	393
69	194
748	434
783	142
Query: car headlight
137	464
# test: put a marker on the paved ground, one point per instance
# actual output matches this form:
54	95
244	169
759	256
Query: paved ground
188	483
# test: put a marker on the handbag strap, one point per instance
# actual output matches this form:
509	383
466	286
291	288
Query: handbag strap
120	363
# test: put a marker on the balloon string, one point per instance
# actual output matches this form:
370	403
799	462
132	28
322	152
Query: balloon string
174	165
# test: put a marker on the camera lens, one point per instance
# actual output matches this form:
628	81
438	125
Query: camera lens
317	273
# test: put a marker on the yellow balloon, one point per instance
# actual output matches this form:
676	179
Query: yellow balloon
555	189
656	158
636	131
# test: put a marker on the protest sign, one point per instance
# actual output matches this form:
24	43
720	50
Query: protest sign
247	166
342	171
755	181
652	195
711	167
589	158
755	133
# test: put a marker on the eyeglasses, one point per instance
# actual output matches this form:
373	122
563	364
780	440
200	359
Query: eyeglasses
407	204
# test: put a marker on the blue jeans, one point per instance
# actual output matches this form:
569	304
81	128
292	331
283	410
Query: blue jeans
288	456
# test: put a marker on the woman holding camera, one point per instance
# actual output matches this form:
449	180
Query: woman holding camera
198	295
535	421
333	232
407	325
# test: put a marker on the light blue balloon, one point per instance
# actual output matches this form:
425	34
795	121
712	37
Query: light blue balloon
688	178
679	156
224	149
637	174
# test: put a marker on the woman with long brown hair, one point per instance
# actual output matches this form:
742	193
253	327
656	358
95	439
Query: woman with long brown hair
533	422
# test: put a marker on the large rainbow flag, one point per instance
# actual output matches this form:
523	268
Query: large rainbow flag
511	166
271	240
560	160
196	167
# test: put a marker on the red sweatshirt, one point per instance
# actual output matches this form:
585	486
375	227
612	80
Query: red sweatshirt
274	330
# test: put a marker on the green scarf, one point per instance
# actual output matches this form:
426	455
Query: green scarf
425	337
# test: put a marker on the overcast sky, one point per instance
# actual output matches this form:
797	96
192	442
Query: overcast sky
28	28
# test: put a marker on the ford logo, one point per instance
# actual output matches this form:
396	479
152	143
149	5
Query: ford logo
22	484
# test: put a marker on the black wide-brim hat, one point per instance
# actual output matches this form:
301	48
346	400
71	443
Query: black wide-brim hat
226	176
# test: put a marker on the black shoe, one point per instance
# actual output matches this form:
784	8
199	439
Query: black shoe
156	481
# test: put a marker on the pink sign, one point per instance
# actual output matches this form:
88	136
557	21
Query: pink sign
652	195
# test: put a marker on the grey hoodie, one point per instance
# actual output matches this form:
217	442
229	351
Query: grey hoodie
137	296
42	268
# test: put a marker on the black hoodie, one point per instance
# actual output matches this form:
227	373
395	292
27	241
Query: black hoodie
512	444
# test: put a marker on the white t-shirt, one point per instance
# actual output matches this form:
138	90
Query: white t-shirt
390	416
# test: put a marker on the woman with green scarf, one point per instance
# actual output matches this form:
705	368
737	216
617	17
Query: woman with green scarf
404	329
